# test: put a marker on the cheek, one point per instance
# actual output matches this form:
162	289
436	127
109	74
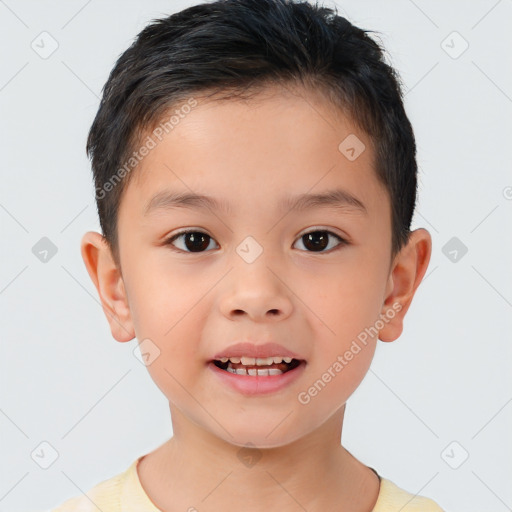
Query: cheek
161	299
344	301
343	306
169	312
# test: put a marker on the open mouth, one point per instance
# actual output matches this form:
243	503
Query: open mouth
257	367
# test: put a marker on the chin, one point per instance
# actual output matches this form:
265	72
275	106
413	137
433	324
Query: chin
261	437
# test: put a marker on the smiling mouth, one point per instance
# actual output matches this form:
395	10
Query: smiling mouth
257	367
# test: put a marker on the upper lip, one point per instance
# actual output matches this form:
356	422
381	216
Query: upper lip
252	350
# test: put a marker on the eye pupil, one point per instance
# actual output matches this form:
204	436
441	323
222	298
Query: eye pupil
318	240
198	241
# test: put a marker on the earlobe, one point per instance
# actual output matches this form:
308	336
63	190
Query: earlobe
408	270
109	283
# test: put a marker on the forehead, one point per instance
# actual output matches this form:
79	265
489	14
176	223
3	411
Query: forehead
279	143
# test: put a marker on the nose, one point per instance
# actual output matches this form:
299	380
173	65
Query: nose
257	292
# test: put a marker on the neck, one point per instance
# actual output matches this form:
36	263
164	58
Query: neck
196	468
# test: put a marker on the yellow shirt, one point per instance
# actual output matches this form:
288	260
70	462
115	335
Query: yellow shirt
124	493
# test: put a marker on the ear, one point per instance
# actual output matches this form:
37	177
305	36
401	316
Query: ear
108	281
407	271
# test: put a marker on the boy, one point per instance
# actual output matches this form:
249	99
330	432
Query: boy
255	180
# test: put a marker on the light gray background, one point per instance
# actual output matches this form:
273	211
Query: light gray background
65	380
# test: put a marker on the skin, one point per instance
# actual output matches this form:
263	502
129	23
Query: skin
194	304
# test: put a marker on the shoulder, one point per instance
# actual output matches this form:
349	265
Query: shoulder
393	498
105	496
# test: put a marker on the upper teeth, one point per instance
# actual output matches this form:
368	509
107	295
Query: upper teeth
260	361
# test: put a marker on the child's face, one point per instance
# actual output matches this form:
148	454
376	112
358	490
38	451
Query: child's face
315	303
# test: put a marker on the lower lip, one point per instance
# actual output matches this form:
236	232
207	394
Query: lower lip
258	384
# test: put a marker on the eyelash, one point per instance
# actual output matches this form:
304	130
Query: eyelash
170	240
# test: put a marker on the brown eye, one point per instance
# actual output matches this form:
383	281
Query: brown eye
317	241
191	241
198	241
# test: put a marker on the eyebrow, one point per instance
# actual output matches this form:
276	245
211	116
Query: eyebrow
336	198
